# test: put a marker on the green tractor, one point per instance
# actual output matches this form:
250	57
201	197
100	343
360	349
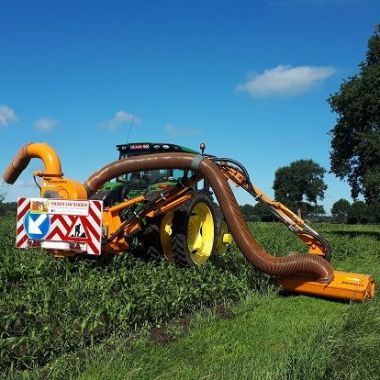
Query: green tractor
189	235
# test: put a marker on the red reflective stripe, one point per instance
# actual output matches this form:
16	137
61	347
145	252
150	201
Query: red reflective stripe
22	212
97	204
21	241
91	228
95	249
20	229
64	223
96	218
20	201
56	231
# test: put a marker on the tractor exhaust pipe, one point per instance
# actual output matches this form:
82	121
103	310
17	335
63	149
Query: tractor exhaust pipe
42	151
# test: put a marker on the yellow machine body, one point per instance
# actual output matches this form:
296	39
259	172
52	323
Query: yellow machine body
62	188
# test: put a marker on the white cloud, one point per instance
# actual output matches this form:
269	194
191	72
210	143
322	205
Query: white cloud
120	118
46	124
285	80
7	115
174	131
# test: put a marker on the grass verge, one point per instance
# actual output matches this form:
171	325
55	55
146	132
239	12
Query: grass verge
264	336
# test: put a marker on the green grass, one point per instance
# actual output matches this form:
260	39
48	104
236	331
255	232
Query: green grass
50	307
263	341
266	336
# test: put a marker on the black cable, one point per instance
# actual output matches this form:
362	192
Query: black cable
35	181
236	163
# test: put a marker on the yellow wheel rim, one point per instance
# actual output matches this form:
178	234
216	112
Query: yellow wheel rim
166	233
224	239
200	233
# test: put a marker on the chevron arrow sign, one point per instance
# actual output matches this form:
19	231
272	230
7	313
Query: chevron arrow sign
59	224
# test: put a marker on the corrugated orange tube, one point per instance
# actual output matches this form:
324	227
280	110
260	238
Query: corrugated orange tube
42	151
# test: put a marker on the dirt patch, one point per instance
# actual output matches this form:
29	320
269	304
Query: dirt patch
184	322
224	312
162	335
159	335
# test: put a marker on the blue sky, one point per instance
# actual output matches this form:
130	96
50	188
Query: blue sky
249	78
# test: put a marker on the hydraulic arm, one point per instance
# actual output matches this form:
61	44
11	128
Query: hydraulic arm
317	245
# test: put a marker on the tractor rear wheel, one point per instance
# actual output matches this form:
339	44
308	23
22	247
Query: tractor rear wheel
194	231
151	242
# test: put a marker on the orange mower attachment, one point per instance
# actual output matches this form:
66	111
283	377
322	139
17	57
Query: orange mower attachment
345	286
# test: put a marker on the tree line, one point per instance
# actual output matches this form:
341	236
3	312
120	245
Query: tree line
342	211
357	212
9	208
6	209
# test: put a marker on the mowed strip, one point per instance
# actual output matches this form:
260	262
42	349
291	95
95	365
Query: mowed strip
266	339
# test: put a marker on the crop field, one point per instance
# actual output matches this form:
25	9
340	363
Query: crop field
130	319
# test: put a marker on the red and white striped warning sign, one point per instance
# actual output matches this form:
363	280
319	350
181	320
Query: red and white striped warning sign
59	224
23	206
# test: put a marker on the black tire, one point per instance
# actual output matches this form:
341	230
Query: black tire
219	221
151	242
181	254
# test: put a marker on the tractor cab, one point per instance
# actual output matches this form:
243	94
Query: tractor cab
144	179
131	185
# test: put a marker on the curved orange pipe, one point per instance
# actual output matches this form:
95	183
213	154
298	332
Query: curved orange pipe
42	151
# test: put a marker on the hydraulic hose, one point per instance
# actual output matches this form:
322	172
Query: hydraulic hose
300	264
33	150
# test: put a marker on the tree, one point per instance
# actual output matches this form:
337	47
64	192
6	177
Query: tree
355	143
374	213
2	208
257	213
2	197
340	210
316	214
249	213
358	213
263	213
300	185
9	208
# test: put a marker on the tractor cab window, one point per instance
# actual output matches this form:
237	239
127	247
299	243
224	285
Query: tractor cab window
149	177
